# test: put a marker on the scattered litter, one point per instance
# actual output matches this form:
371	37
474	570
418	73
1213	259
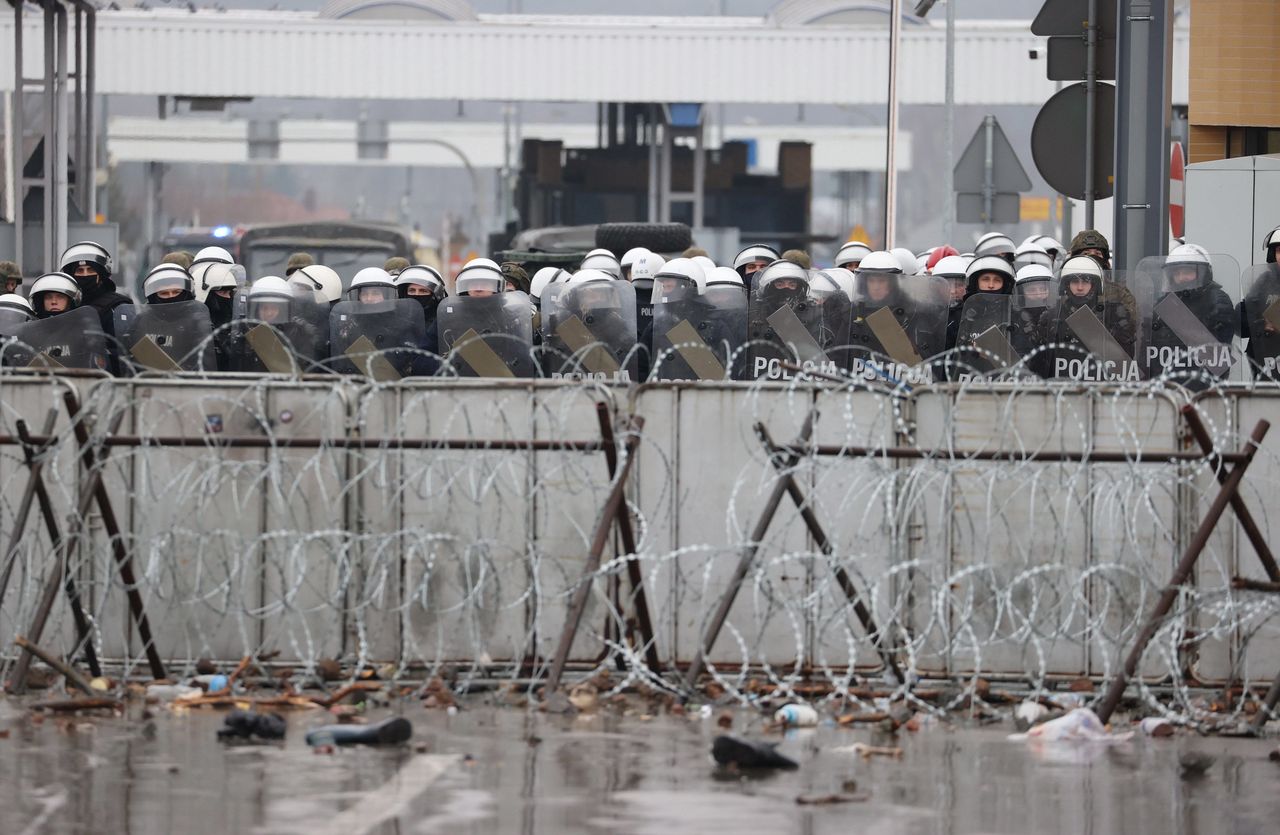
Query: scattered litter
219	683
73	705
796	716
1156	726
742	754
705	712
1080	725
828	799
866	751
585	697
1030	712
393	731
725	720
244	724
1192	765
171	692
100	684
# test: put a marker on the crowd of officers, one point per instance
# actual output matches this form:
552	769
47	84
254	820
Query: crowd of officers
1002	310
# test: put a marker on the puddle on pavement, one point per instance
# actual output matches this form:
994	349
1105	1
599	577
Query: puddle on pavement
525	772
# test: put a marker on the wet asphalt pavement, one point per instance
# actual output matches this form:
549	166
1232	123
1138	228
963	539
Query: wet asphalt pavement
509	770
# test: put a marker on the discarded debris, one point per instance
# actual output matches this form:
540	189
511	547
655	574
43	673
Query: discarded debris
73	678
585	697
393	731
1156	726
866	751
1080	725
206	667
1029	713
745	755
171	692
1192	765
72	705
329	670
244	724
342	692
827	799
796	716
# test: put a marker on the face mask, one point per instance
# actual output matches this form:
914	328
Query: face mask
87	283
219	307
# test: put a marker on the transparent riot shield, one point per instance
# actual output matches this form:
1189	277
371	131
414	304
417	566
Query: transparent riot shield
279	337
836	313
1188	319
589	330
488	337
984	339
899	324
784	326
1031	301
1260	321
1089	333
699	338
165	337
69	340
382	340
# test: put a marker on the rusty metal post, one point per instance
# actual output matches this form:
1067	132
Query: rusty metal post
640	600
1251	530
24	507
123	559
1181	573
84	632
613	504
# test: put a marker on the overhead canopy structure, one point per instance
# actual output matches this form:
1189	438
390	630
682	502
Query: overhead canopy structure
546	58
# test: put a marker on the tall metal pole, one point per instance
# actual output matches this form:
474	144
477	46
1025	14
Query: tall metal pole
949	171
50	132
891	140
19	136
1090	108
988	172
1144	81
58	141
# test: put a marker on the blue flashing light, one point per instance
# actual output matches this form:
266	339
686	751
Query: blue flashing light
221	231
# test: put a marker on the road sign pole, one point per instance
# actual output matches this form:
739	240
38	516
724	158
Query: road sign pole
988	172
1090	109
949	215
1144	83
890	155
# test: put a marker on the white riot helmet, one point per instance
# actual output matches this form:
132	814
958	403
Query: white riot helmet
482	277
372	285
648	266
88	253
781	270
705	262
1084	266
630	257
588	276
542	279
216	275
951	266
1031	252
995	243
604	260
1271	242
758	254
54	283
14	310
680	278
564	277
906	259
1032	286
852	253
212	255
270	299
989	264
168	277
326	283
1187	267
843	279
723	277
1050	245
201	264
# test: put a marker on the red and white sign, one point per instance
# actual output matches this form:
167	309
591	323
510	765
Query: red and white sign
1177	190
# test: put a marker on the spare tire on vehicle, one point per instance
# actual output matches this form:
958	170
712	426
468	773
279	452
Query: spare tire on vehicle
655	237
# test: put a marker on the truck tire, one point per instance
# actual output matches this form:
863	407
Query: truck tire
655	237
